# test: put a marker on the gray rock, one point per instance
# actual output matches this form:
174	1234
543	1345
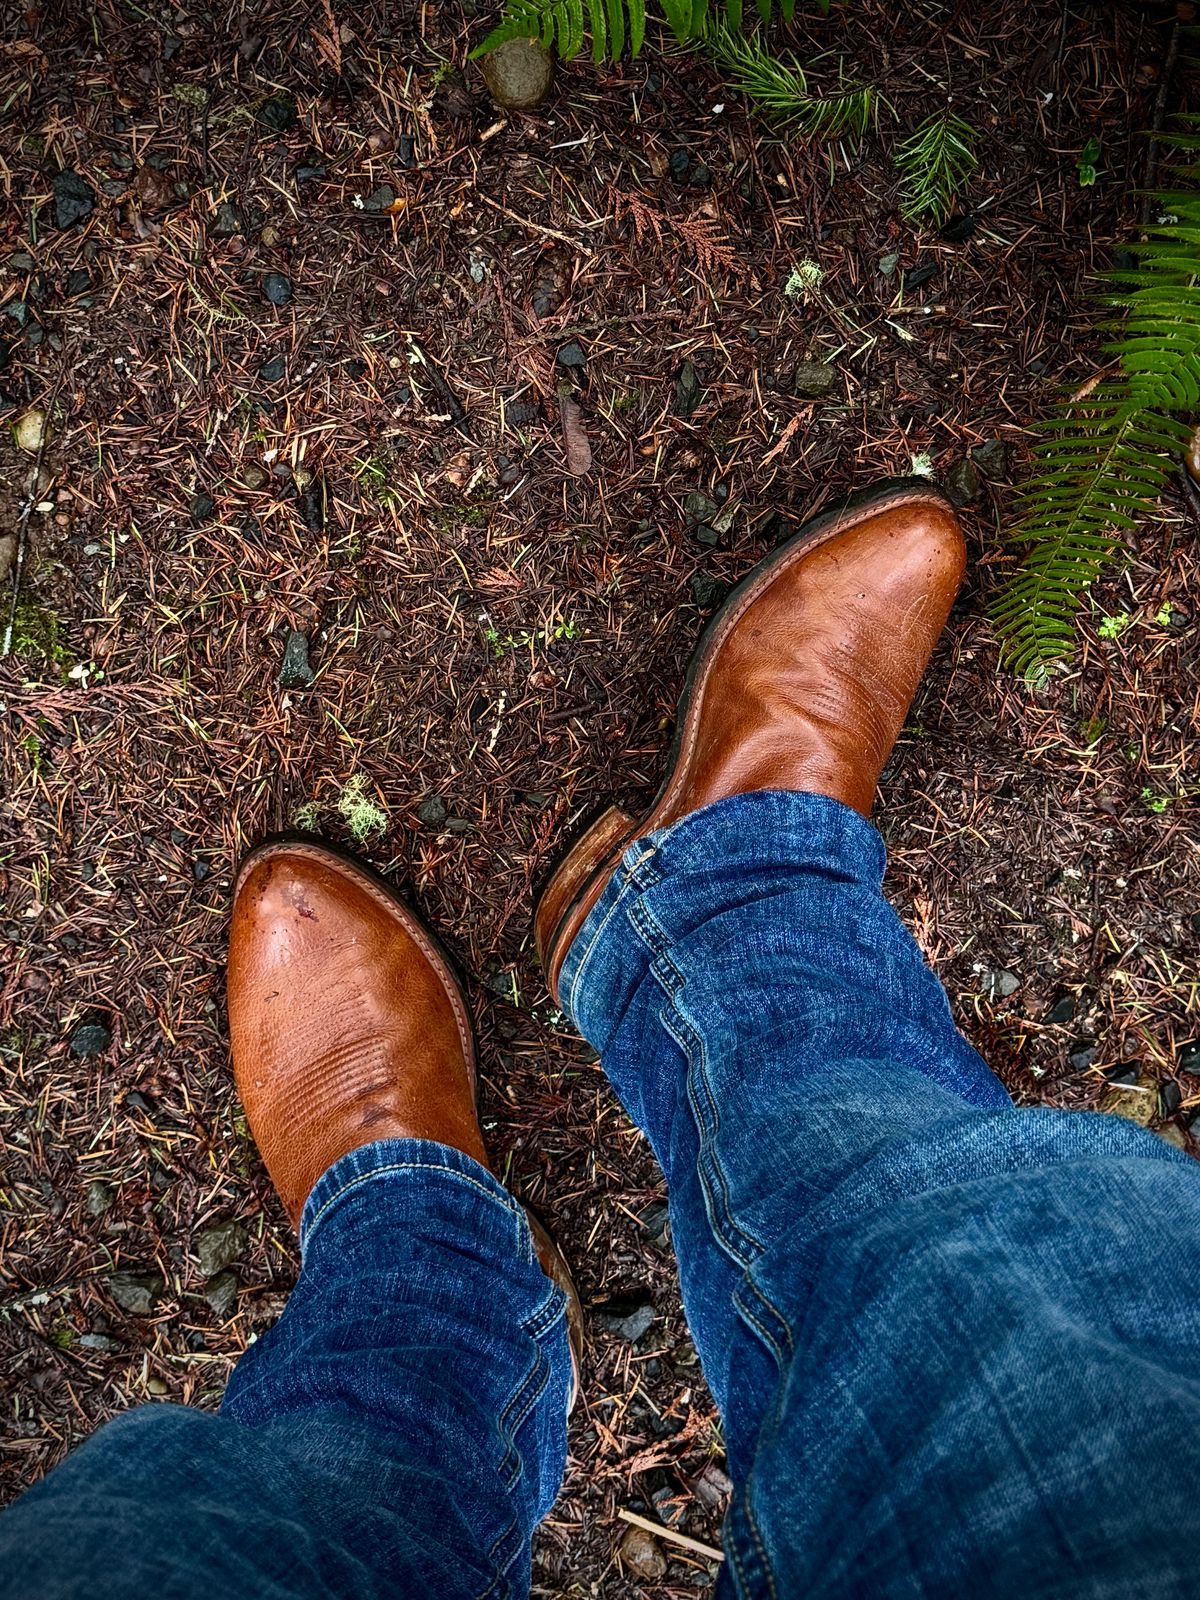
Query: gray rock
432	812
999	984
571	355
1061	1010
295	673
991	457
74	200
90	1039
707	591
518	74
221	1293
136	1292
219	1247
627	1324
1082	1054
271	371
1189	1056
655	1221
698	507
98	1341
689	391
641	1554
963	483
99	1198
1132	1101
277	113
255	476
814	380
380	199
277	289
227	221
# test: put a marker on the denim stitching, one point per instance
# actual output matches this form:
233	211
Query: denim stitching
626	880
709	1168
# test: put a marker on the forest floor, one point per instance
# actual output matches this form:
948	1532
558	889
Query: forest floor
305	358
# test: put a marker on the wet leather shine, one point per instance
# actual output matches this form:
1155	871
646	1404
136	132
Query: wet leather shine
346	1023
802	683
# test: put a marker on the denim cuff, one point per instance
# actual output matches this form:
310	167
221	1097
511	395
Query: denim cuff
418	1161
732	852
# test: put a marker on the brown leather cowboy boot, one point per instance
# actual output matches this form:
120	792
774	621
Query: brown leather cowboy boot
348	1025
801	681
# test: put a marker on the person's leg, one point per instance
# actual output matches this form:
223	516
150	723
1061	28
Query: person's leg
402	1429
956	1345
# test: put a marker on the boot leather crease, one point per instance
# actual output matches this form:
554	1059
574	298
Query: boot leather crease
348	1025
801	682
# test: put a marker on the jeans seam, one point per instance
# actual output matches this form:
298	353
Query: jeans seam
402	1166
626	880
744	1249
512	1424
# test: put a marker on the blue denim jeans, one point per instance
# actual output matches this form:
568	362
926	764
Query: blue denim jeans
956	1345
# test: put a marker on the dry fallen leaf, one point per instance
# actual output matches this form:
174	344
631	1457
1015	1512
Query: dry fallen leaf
575	440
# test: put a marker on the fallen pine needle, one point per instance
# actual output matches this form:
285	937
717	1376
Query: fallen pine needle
661	1531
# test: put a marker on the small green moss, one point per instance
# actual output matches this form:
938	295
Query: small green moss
362	815
307	816
37	631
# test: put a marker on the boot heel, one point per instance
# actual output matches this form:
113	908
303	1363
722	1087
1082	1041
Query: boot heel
562	901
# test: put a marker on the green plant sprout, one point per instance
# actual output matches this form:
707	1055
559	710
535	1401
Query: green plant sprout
934	162
1113	627
1085	163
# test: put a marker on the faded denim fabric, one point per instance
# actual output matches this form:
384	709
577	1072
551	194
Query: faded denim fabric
956	1345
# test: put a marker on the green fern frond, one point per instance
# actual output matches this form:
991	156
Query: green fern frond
563	24
1102	463
934	162
1106	457
780	87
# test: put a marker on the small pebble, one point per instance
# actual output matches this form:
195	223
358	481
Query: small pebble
277	289
1131	1101
814	379
571	355
295	672
90	1039
963	483
991	457
999	984
221	1293
641	1554
74	199
136	1292
31	431
688	390
518	74
1061	1010
432	812
219	1247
